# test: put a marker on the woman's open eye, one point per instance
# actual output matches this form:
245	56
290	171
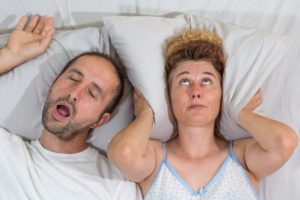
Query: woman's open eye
206	81
184	82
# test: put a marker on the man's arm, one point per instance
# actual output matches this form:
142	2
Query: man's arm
26	42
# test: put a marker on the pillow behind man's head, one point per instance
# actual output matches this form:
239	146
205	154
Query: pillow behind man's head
24	90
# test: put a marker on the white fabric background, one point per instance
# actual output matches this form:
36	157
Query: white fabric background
282	17
276	15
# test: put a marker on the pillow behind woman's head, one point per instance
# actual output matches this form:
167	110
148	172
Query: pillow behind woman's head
254	58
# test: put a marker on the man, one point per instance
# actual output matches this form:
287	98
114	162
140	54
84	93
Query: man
60	164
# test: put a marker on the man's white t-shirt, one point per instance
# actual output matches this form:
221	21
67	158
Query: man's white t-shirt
28	171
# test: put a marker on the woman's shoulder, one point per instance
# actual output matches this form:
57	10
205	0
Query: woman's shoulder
157	147
239	147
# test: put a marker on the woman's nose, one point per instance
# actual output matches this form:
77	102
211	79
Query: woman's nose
196	92
196	95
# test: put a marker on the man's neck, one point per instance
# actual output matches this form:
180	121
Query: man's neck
52	143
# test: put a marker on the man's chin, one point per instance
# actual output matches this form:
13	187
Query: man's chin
59	132
62	135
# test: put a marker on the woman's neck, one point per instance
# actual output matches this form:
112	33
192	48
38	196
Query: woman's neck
196	141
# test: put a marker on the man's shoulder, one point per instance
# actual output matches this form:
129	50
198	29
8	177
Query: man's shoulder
6	135
3	130
110	172
106	169
10	141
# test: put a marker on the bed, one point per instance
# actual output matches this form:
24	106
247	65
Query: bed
260	37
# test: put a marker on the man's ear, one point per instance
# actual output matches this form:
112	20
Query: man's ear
103	119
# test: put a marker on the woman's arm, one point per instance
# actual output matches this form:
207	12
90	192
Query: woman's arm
273	142
27	42
131	150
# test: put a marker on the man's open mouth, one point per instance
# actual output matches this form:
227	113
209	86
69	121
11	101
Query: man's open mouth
63	110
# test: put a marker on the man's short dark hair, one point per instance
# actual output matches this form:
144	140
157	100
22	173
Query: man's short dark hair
120	88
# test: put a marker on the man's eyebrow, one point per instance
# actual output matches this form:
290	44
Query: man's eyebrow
73	70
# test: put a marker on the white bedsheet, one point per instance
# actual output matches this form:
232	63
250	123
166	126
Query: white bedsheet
275	15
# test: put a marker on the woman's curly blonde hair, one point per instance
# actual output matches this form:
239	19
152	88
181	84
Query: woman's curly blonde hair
195	45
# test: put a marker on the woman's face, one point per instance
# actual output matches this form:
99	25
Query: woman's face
195	93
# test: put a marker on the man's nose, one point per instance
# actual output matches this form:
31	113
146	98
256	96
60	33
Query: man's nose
75	94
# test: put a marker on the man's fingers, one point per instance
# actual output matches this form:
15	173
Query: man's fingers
40	26
32	23
48	26
47	39
21	23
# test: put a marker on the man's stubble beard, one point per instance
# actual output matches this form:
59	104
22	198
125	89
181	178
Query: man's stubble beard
65	132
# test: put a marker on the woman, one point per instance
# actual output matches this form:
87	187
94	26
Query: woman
198	163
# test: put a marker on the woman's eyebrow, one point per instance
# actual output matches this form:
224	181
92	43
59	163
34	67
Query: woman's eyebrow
186	72
182	73
209	73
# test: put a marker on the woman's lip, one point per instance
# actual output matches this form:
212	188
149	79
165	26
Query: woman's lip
196	106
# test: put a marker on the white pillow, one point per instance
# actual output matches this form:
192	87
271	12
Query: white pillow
255	57
24	90
139	43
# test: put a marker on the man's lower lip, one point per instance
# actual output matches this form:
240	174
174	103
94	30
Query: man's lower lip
57	116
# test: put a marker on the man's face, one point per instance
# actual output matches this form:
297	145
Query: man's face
77	99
